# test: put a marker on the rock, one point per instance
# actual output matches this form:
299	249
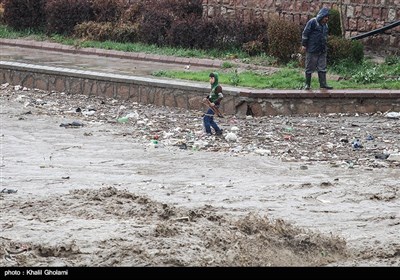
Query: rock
230	136
394	157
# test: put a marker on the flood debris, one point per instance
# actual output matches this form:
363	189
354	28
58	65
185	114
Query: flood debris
336	138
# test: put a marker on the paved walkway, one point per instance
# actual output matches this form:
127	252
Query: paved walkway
139	64
136	64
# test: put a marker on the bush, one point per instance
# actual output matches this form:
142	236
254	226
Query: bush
24	14
204	38
284	39
368	76
234	77
253	47
106	31
156	18
335	27
357	51
254	35
392	60
108	10
217	33
1	13
341	48
154	26
63	15
225	34
133	12
186	33
183	9
232	33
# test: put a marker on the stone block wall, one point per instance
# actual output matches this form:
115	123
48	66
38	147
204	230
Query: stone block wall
358	16
188	95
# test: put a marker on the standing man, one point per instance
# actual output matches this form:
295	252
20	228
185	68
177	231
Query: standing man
314	43
213	100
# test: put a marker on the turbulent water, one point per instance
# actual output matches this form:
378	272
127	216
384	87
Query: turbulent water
155	191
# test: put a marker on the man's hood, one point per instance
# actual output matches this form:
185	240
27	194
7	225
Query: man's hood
322	13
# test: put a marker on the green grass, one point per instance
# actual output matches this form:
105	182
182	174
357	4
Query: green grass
284	78
8	33
367	75
153	49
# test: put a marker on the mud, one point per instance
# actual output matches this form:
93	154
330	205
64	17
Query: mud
155	191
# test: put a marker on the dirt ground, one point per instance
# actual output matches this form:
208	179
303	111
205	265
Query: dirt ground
98	182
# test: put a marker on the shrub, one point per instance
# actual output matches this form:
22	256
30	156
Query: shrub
234	77
157	17
124	33
225	34
255	31
106	31
154	26
368	76
24	14
334	24
183	9
341	48
357	51
189	31
186	33
227	64
205	39
108	10
392	60
133	12
217	33
2	12
253	47
63	15
254	39
232	33
284	39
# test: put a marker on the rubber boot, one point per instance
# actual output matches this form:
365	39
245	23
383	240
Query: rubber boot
307	85
322	80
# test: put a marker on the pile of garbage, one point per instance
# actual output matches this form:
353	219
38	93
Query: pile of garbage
343	140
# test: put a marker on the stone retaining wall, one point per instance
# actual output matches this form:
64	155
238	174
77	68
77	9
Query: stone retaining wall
358	16
172	93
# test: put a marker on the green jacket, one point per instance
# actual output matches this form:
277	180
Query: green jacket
216	91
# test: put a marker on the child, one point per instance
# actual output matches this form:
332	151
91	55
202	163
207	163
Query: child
214	100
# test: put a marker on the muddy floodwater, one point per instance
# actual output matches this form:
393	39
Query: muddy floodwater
80	188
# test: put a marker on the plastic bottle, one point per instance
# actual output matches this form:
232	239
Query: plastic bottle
123	119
